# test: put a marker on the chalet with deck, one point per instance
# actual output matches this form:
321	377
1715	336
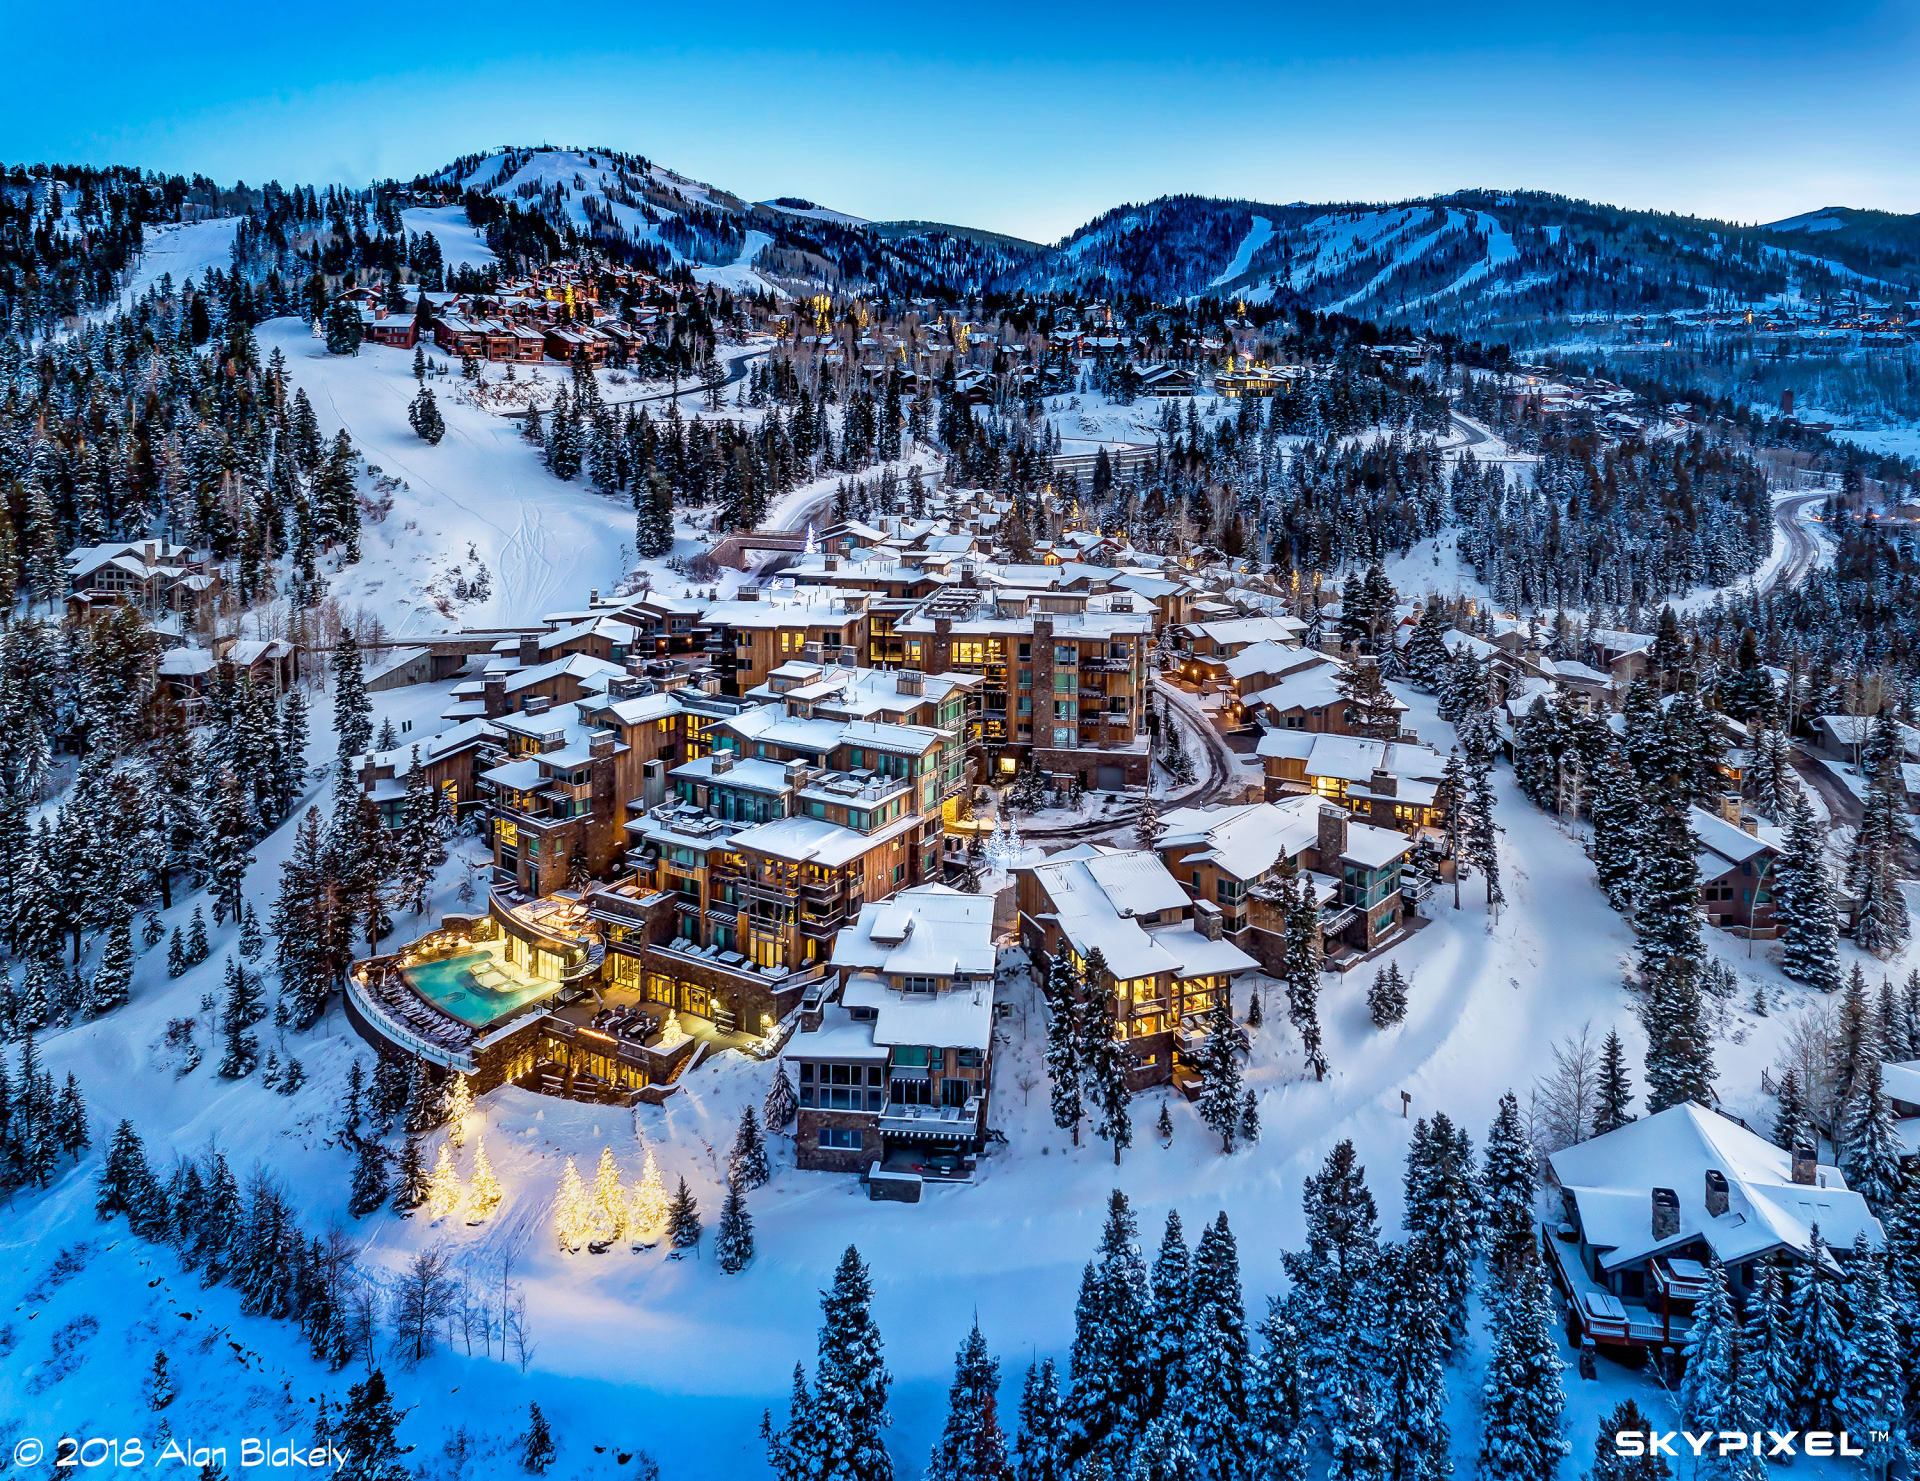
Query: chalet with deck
1644	1209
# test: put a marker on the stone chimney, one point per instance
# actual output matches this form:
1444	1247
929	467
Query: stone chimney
1206	919
1716	1193
1730	807
722	763
911	681
1383	783
529	650
1666	1213
593	596
1333	835
494	698
1806	1164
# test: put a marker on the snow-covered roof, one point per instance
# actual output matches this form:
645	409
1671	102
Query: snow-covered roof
517	776
815	841
1244	842
1099	897
1252	629
1612	1178
927	931
1728	844
749	774
1314	688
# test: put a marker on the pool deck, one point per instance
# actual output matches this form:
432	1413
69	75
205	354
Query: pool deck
525	990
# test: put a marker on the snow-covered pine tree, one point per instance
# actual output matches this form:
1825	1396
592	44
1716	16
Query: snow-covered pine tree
1219	1102
747	1164
1170	1326
1880	919
1803	900
1874	1399
1714	1394
733	1241
1413	1387
1869	1145
198	949
1817	1339
1619	822
1511	1185
240	1011
1443	1197
1300	968
113	978
1105	1064
352	710
1334	1301
229	848
972	1446
780	1105
1482	840
423	415
1214	1411
1387	997
1766	1349
1626	1418
368	1427
683	1218
369	1188
1276	1402
1680	1064
1066	1036
1108	1368
1524	1401
1613	1100
537	1450
410	1187
1040	1447
851	1381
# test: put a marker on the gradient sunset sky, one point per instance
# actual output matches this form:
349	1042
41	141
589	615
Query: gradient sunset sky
1028	118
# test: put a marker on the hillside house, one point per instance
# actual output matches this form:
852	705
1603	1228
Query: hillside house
1645	1208
1166	955
894	1068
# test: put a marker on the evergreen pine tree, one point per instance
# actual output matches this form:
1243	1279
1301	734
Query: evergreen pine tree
1523	1398
410	1189
1613	1101
1817	1339
1803	901
1066	1037
1109	1364
1511	1186
1870	1146
971	1446
240	1011
1387	997
1413	1389
1040	1448
352	710
747	1164
1443	1217
367	1431
780	1105
683	1219
537	1450
733	1243
1627	1418
114	976
1219	1102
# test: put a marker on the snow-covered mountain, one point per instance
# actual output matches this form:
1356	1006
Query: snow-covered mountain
1481	261
534	203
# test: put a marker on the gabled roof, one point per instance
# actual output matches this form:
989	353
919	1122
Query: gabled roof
1612	1179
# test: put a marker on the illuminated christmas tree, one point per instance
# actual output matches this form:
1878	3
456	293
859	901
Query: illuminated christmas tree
443	1185
572	1211
609	1204
647	1208
484	1196
459	1107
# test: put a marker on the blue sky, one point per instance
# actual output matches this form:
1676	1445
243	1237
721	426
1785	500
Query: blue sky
1028	118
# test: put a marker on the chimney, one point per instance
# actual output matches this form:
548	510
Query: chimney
1716	1193
529	650
722	763
1806	1163
1730	808
1383	783
1333	835
911	681
600	745
593	596
494	698
1206	919
1666	1213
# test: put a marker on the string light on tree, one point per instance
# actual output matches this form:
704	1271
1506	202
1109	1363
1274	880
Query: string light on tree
647	1209
443	1185
572	1211
484	1196
609	1203
459	1107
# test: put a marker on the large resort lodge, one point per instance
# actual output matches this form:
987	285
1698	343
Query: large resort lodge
724	825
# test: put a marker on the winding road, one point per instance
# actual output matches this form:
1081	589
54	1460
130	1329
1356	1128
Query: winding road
1802	549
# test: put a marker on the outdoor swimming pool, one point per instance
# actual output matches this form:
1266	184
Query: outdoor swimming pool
449	984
